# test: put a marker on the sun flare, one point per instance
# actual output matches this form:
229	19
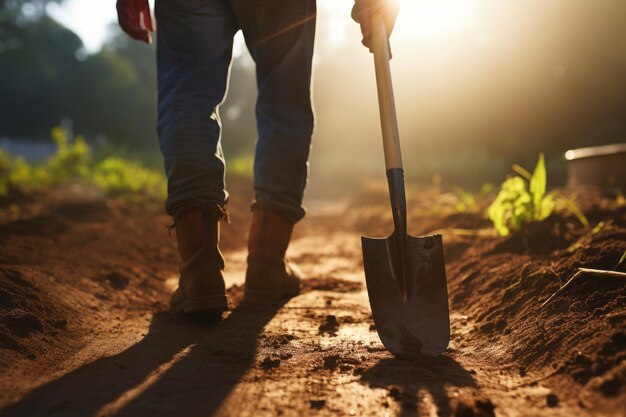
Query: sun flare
435	18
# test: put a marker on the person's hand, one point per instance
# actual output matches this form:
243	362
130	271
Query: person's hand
134	18
363	11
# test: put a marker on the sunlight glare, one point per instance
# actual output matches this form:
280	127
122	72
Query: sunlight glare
435	18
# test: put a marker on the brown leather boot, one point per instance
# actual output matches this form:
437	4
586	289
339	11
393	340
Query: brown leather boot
269	276
201	287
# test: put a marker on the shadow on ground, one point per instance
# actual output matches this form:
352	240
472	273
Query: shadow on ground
408	380
179	368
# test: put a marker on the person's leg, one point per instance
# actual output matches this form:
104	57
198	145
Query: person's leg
280	35
194	49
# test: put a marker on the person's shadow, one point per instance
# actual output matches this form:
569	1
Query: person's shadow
179	368
406	378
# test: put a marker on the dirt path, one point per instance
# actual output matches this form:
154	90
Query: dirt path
319	354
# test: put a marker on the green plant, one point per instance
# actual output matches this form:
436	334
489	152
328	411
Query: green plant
521	200
71	160
468	202
118	177
5	163
130	180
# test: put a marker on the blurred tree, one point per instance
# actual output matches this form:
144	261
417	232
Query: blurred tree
117	95
37	65
45	76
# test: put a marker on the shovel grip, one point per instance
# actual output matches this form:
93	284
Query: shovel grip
386	102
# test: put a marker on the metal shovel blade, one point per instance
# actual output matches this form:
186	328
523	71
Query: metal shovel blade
411	312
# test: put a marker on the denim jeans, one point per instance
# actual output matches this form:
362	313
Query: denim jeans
194	50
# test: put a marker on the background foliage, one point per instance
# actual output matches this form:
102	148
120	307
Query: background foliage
553	78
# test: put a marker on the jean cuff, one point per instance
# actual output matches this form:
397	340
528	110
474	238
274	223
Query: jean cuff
216	211
289	213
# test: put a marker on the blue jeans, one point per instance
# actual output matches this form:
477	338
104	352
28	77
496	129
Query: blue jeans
194	50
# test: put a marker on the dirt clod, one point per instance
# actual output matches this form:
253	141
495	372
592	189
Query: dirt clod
552	400
331	362
269	363
317	404
330	325
332	284
116	280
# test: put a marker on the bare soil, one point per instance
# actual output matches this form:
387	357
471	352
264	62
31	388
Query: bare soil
84	328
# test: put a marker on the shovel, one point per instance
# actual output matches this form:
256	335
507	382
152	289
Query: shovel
405	275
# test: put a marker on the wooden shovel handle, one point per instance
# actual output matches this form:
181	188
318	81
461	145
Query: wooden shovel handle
386	102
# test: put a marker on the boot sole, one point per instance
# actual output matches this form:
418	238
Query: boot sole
199	305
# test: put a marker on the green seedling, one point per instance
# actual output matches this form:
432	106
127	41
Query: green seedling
521	200
564	203
468	202
587	237
621	260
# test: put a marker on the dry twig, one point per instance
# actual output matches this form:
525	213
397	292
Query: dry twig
603	272
581	271
557	292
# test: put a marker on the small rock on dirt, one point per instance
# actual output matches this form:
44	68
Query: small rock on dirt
116	280
552	400
317	404
331	362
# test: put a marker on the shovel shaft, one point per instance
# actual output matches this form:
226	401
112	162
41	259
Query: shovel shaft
395	180
386	102
391	145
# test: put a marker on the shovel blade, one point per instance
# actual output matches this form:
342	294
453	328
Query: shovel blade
416	323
